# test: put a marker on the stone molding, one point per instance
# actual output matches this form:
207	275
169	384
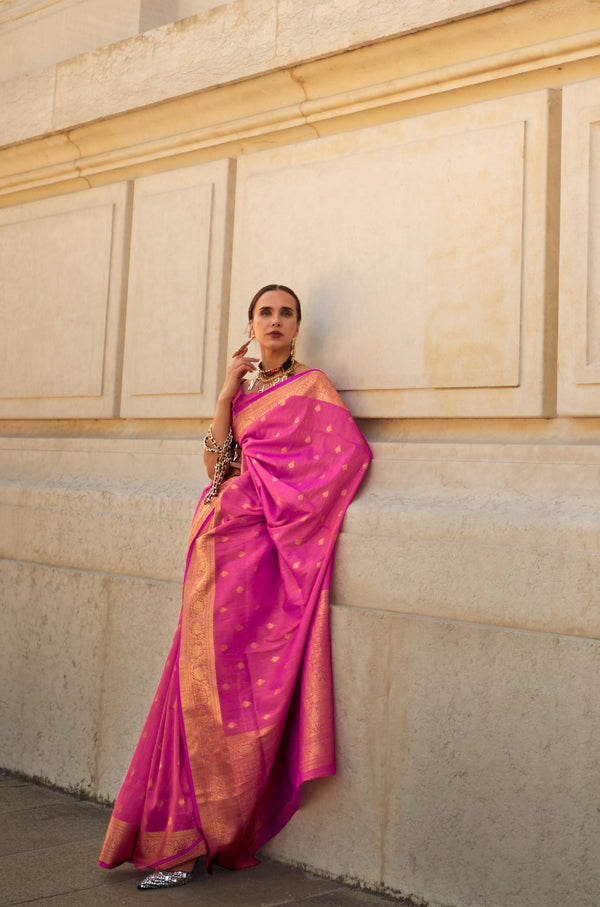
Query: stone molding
316	28
579	338
64	357
528	45
173	354
16	10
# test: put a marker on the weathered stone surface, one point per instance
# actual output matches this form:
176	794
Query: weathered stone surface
224	44
409	188
453	722
311	29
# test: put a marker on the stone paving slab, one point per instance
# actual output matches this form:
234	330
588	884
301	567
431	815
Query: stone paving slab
49	845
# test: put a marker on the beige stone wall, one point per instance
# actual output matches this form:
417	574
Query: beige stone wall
426	175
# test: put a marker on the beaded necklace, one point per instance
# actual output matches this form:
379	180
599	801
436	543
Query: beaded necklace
270	377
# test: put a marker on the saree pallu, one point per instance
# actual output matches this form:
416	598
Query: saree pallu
243	714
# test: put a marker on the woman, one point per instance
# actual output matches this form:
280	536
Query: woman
243	713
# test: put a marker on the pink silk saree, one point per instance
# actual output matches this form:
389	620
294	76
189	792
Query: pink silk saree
243	714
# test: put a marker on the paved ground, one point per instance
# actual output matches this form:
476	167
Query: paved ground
49	844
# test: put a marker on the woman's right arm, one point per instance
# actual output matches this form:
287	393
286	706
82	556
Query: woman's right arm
240	365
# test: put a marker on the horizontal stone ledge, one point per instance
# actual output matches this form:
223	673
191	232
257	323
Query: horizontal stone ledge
470	597
98	464
435	559
174	467
538	469
547	590
145	536
24	564
506	521
386	614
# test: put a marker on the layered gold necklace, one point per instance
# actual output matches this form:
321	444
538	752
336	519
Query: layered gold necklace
268	378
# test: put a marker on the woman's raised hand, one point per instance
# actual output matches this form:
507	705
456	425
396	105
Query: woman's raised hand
240	365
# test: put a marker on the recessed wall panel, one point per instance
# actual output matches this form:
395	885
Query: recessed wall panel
419	251
60	294
579	312
175	297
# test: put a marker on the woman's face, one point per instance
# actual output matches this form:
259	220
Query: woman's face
275	322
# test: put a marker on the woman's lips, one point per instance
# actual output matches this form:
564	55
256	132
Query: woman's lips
275	334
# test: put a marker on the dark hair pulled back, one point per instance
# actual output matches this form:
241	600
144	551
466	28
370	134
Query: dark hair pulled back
274	286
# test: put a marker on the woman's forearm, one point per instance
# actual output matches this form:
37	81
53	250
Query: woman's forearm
221	423
220	428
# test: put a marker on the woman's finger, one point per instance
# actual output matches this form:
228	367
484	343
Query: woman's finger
242	349
243	363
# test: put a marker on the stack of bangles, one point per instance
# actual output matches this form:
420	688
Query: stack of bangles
224	460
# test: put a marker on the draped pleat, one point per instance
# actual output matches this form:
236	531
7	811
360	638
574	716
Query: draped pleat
243	714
